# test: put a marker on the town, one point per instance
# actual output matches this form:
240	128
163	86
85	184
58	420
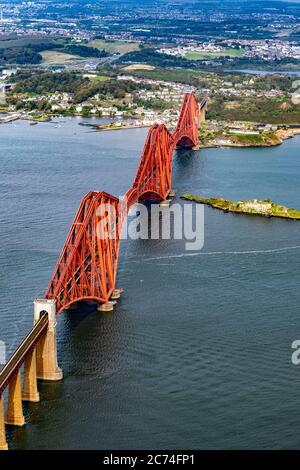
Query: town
37	19
263	49
131	74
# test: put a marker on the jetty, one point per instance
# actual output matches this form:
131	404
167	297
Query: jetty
12	118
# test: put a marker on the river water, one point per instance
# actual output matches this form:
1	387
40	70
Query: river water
198	352
292	73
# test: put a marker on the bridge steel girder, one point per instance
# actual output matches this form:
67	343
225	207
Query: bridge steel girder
154	173
186	133
87	266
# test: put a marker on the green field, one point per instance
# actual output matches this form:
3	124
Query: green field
119	47
177	75
213	55
134	67
24	42
58	58
96	78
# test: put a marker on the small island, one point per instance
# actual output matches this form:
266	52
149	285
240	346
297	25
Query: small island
265	208
229	134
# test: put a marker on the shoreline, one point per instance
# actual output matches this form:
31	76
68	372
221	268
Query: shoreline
282	134
120	128
11	117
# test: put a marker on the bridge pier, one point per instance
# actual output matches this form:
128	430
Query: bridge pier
116	294
3	442
15	415
46	351
30	389
165	203
107	307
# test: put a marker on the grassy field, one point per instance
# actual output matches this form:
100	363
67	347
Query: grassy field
176	75
213	55
120	47
133	67
59	58
96	78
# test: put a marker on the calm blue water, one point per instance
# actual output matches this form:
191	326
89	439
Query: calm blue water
197	353
268	72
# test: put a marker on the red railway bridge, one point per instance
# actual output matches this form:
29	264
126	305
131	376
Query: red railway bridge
87	266
86	269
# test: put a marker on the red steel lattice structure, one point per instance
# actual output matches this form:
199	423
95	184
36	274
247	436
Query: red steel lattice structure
87	266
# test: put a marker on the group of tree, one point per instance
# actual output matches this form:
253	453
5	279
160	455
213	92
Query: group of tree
155	103
19	55
263	110
39	82
152	57
115	89
83	51
82	88
30	54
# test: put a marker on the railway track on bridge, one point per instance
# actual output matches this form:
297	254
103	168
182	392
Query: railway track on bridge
18	358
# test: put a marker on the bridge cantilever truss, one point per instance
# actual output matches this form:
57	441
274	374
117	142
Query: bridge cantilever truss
87	266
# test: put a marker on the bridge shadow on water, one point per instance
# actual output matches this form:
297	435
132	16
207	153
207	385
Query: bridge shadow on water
183	156
185	163
88	337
